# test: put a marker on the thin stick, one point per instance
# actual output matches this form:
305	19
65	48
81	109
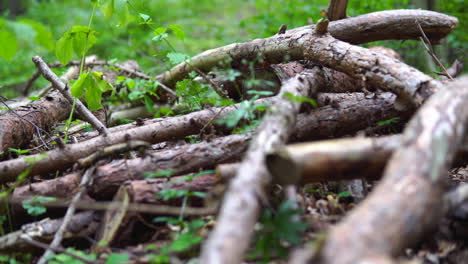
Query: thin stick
59	85
427	44
118	65
56	249
68	216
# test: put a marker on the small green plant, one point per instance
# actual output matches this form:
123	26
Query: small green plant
91	86
169	194
67	259
116	258
16	258
35	205
19	152
158	174
196	95
278	232
301	99
388	121
184	240
246	112
343	195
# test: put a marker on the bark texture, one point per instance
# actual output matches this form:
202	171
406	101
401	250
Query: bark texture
397	24
408	203
16	132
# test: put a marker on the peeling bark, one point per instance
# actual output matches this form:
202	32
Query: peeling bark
407	204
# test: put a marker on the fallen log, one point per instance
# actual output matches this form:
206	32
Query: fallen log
407	204
16	130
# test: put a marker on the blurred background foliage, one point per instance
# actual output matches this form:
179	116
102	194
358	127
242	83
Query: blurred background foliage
37	24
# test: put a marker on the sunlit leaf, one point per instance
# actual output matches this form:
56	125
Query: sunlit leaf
178	31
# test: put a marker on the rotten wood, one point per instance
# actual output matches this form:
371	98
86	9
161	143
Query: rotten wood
408	203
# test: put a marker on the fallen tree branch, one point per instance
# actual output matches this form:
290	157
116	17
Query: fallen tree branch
408	202
58	236
241	204
396	24
38	244
82	224
60	86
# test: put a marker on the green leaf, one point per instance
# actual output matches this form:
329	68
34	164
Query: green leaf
160	173
146	19
159	34
78	88
35	205
107	8
388	121
122	12
176	58
344	194
178	31
301	99
101	83
18	151
115	258
83	39
64	48
34	98
8	44
93	96
149	104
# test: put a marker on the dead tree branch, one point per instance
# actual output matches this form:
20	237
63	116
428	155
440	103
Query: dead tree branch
242	201
408	202
59	85
68	217
397	24
82	224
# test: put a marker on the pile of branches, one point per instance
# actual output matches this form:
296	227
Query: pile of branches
354	88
